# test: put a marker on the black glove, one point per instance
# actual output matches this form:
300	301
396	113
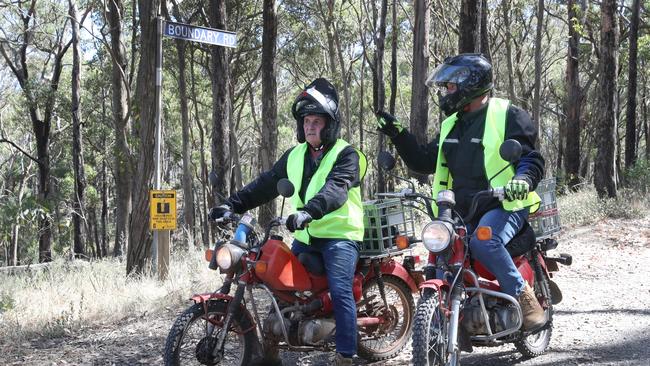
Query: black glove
219	211
298	220
388	124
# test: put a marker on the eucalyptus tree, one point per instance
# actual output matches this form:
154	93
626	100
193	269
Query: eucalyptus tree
630	120
33	45
605	170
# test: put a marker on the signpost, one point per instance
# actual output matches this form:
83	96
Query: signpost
163	203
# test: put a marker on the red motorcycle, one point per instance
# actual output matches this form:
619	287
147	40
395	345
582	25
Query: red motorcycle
466	307
291	308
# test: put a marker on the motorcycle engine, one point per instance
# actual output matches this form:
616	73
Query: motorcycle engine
306	332
501	316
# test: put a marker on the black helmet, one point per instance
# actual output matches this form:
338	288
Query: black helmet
319	97
472	74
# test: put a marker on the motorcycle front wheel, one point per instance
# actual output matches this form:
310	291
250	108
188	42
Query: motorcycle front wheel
384	341
430	338
194	334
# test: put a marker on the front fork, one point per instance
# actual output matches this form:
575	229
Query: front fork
233	308
454	319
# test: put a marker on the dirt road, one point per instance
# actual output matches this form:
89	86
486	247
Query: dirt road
604	318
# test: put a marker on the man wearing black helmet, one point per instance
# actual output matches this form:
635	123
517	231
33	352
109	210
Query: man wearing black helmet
326	172
465	155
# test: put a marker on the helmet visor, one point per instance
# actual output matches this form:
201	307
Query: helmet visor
445	73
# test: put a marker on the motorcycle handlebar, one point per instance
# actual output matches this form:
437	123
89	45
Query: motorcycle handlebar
497	192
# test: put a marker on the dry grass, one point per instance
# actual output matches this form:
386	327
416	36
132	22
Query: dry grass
65	297
584	207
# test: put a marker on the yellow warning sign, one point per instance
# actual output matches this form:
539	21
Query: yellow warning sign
162	209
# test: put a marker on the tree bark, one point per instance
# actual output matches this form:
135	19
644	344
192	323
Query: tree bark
188	191
269	140
379	89
123	171
605	169
78	215
630	115
139	251
419	95
573	103
538	68
485	31
221	108
506	21
469	28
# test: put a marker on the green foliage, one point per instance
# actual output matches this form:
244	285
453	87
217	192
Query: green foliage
637	178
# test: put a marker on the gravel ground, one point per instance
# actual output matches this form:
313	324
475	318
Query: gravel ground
604	318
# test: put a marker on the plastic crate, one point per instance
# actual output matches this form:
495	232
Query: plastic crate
546	220
384	220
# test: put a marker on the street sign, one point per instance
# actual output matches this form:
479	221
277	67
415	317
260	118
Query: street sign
162	210
200	34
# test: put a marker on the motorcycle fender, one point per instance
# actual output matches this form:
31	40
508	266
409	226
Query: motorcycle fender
201	298
207	297
396	269
436	284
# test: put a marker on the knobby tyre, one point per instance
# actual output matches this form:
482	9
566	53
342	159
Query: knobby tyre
430	331
384	341
194	332
536	344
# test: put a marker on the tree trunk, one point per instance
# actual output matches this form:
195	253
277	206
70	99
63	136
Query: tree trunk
379	90
419	94
139	251
104	185
122	153
630	120
469	28
206	199
188	192
345	78
506	21
485	31
393	59
538	68
221	108
573	103
605	170
78	215
269	141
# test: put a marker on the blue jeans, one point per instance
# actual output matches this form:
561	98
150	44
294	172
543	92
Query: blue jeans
493	254
340	258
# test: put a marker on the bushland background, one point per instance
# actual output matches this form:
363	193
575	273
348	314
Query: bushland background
77	123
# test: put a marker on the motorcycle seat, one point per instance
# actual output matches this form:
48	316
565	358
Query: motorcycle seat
313	263
523	242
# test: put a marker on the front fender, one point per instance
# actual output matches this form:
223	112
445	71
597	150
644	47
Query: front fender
201	298
205	298
436	284
396	269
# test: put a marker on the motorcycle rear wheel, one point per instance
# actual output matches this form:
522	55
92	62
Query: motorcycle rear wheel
430	337
188	342
382	344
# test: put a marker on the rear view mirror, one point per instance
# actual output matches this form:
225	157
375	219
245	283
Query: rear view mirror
386	161
285	187
510	150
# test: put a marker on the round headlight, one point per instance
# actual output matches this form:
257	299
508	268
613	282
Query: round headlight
228	256
436	236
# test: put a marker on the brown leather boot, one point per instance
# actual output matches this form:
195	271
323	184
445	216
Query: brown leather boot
531	310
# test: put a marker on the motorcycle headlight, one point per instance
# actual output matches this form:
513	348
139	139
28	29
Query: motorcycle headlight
436	236
228	257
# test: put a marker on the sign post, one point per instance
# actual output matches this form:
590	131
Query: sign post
163	212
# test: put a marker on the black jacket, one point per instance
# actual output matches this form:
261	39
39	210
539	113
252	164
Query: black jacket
344	175
464	154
